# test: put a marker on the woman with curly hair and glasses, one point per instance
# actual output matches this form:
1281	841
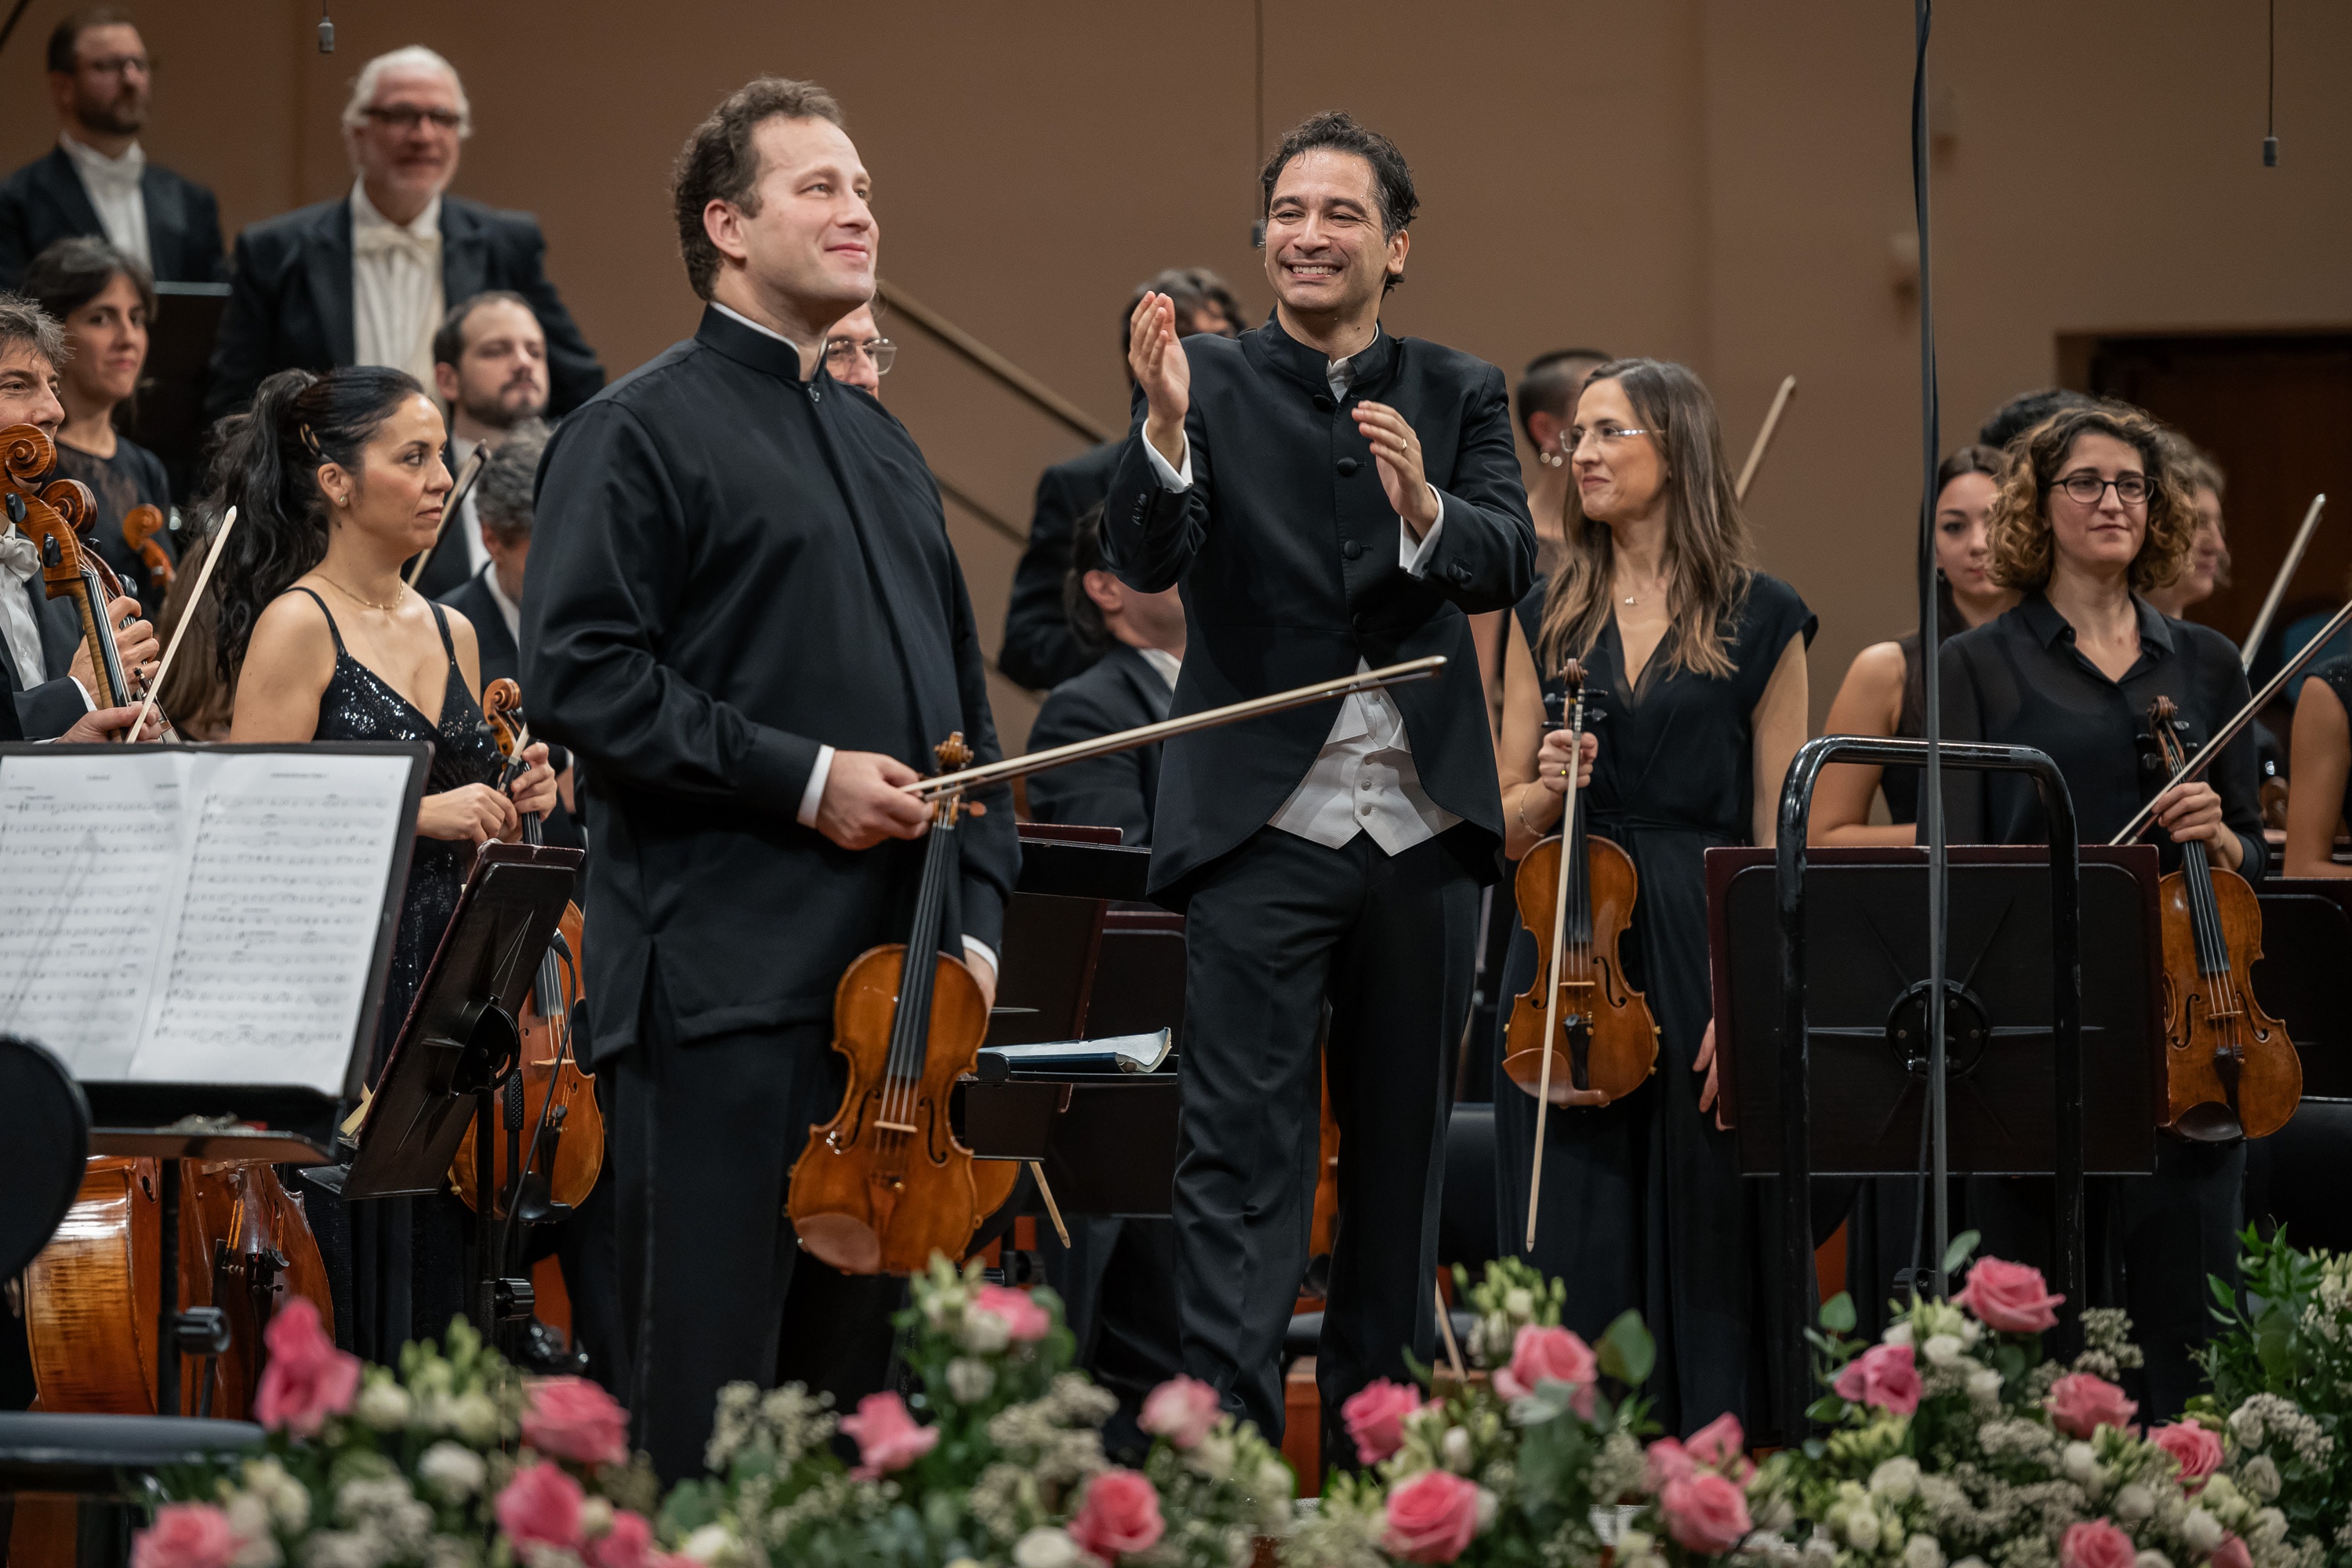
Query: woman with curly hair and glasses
2097	510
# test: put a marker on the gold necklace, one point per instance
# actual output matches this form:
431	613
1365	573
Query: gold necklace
370	604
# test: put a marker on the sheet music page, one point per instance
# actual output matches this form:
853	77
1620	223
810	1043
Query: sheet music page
194	917
89	857
268	957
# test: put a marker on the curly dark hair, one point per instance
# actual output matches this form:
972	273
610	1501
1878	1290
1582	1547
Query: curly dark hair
718	161
1342	131
2020	532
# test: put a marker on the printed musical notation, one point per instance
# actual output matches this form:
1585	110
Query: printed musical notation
194	917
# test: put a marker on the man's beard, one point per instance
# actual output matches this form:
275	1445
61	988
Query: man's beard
122	115
495	413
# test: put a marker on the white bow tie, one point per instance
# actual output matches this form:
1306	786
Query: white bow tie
386	240
19	557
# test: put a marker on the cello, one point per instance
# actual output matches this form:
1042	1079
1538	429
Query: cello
1579	1035
548	1093
141	524
885	1182
2229	1070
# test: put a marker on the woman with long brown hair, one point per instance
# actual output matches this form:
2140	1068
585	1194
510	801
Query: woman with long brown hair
2097	509
1694	684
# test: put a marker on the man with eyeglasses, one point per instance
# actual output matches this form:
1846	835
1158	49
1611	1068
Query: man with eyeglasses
98	180
855	351
366	278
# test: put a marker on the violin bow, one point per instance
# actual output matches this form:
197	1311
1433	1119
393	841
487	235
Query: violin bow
187	615
1558	953
2239	720
2278	584
1764	436
467	474
1144	735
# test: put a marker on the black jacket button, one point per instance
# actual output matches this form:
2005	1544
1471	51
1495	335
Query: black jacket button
1461	572
1322	402
1352	549
1347	467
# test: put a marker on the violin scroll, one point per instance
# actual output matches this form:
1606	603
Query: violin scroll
25	454
503	710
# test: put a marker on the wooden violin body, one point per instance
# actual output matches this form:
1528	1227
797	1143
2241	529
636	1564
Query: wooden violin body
92	1294
884	1184
2229	1067
1602	1038
141	524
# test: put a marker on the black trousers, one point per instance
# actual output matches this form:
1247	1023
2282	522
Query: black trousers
1273	931
714	1288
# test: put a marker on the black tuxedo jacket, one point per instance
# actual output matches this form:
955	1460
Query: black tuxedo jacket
45	709
1121	691
289	304
1040	650
44	202
472	600
1286	550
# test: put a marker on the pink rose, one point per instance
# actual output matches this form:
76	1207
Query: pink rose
308	1379
1431	1518
1883	1377
541	1504
2197	1449
573	1419
1720	1445
188	1534
1024	1319
2231	1553
2095	1543
1182	1410
2009	1297
2080	1404
628	1544
886	1437
1374	1416
1705	1512
1669	1462
1120	1515
1553	1355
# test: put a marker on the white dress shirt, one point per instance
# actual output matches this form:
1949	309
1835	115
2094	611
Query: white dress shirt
20	624
1166	663
468	522
396	299
112	187
1363	780
813	795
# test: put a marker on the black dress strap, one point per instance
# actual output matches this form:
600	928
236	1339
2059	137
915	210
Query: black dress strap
333	630
442	620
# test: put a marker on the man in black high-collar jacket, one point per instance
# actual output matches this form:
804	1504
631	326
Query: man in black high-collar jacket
1329	499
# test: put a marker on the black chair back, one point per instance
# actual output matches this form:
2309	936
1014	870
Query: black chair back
44	1143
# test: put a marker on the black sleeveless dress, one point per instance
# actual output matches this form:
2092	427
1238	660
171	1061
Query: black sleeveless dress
1643	1204
397	1265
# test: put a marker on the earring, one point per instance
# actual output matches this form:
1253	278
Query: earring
1551	459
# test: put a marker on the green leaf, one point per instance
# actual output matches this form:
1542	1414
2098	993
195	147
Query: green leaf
1626	1352
1958	1253
1838	1314
1827	1408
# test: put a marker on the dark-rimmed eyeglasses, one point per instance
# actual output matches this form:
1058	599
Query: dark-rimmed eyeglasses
2089	489
882	351
405	117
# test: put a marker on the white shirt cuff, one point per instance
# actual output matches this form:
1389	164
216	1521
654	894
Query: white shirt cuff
1413	554
975	948
814	793
86	704
1178	479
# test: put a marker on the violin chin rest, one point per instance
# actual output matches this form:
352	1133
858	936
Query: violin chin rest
849	1244
2209	1123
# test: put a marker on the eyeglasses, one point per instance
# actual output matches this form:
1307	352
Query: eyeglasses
405	117
2089	490
117	65
839	351
1607	434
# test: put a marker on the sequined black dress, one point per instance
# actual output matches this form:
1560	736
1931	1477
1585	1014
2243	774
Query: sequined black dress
397	1265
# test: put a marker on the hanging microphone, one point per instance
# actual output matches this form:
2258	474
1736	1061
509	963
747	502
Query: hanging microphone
326	32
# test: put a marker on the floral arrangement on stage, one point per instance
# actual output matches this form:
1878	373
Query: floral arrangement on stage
455	1461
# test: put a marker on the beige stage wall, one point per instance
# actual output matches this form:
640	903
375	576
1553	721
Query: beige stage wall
1722	183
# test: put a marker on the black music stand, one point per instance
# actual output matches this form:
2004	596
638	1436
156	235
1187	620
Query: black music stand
170	410
459	1046
2014	999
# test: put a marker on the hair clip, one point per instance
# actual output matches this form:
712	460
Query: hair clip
312	441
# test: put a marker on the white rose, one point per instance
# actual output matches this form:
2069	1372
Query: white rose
1984	1383
595	1516
1634	1547
984	1333
971	1381
1970	1333
1898	1334
2080	1462
452	1471
713	1542
2262	1477
1489	1505
1211	1457
1821	1549
1045	1547
2151	1559
2201	1531
382	1404
1455	1451
1274	1482
1969	1563
475	1418
1923	1551
1942	1349
1861	1531
1897	1480
2134	1503
1519	1301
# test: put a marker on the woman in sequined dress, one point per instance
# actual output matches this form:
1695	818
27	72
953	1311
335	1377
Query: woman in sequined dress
338	480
